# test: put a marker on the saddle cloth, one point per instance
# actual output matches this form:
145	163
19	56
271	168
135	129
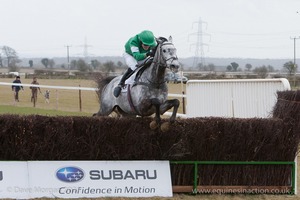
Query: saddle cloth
128	81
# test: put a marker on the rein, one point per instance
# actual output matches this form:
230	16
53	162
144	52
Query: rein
172	57
152	84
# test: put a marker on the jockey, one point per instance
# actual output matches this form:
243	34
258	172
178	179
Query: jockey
137	49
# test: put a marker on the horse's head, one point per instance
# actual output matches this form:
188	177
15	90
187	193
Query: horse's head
168	53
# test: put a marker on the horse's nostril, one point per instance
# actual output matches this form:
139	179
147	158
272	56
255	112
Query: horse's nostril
172	66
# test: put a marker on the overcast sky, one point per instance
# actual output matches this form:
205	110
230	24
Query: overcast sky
230	29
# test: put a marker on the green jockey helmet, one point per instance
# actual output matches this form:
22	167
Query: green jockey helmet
147	38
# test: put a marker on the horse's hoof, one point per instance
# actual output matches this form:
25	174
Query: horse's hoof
165	126
153	125
114	114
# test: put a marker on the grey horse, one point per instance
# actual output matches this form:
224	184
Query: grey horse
148	93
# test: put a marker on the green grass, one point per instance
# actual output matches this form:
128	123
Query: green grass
37	111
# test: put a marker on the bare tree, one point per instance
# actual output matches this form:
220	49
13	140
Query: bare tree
289	66
262	71
229	68
51	63
234	66
30	62
82	66
109	66
10	56
248	67
95	64
45	62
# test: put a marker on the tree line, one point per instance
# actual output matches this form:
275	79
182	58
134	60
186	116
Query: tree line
261	70
9	58
84	66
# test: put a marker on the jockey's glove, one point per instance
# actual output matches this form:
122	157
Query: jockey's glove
150	53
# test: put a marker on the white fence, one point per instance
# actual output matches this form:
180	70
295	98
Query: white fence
49	86
241	98
61	96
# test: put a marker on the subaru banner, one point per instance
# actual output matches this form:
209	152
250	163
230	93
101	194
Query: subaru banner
87	179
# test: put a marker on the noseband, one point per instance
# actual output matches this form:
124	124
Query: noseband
172	58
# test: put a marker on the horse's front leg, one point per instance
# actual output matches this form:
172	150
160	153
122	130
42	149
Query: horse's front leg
156	103
167	105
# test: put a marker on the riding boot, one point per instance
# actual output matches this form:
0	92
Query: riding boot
118	89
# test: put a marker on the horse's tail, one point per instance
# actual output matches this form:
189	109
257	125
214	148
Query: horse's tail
101	82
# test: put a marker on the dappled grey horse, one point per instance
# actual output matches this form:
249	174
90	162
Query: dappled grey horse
149	91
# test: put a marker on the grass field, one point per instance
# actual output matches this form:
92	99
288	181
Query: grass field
37	111
66	103
61	99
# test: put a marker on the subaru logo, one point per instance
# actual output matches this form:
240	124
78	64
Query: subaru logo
70	174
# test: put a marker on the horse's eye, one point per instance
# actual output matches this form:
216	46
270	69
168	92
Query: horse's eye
172	51
164	51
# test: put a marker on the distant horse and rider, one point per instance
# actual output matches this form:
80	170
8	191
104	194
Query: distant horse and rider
145	92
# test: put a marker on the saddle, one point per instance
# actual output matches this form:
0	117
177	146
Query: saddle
138	72
142	68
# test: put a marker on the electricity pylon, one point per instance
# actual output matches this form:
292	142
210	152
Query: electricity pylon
199	44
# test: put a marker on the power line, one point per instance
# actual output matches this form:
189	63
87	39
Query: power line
68	57
295	38
199	49
85	50
295	66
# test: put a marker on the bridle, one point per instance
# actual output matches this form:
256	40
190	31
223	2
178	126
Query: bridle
162	63
172	58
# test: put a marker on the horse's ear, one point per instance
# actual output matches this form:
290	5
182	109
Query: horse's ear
161	39
170	39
